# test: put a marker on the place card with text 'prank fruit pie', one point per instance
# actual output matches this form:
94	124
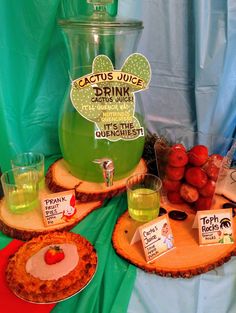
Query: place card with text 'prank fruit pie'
214	226
58	208
156	237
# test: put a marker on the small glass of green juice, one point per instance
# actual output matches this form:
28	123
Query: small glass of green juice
21	189
143	191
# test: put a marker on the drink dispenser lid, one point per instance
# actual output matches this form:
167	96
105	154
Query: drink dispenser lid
100	18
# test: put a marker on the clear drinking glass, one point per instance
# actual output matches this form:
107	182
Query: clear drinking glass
20	186
32	160
143	191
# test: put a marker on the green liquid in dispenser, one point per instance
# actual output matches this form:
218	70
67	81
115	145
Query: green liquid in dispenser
80	149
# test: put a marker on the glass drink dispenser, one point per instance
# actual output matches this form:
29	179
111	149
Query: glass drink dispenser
86	38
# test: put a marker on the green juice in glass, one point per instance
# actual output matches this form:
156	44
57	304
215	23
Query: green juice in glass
144	204
23	200
20	187
80	148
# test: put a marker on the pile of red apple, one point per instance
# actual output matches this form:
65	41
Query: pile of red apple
190	176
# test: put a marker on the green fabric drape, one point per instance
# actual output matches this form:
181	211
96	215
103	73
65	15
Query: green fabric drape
110	290
4	240
32	77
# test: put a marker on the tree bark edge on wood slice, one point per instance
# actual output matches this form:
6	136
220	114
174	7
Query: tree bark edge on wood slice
58	179
26	235
31	223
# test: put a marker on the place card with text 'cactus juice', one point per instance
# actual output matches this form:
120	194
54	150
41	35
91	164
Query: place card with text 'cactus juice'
215	227
156	237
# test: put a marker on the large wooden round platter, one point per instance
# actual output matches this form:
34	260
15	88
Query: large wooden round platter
28	225
186	259
58	178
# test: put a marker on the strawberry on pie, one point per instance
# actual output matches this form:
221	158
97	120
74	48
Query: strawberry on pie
54	255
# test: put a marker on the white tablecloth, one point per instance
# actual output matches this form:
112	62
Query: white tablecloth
212	292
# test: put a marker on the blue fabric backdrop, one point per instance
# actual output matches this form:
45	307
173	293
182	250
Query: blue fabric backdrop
190	45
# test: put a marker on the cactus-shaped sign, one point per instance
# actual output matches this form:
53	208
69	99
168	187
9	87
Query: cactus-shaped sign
106	96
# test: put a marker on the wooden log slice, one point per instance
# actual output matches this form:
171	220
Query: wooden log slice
28	225
186	259
58	178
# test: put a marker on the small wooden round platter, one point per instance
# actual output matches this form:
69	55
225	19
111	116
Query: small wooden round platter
58	178
30	224
186	259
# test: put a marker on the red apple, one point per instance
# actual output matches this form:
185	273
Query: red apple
203	203
196	177
171	185
174	197
216	159
198	155
212	166
175	173
212	171
189	193
209	189
177	158
178	146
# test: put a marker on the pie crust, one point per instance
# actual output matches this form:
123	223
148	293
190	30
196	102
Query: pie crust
34	289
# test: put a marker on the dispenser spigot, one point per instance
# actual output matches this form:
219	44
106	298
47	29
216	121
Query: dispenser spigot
108	169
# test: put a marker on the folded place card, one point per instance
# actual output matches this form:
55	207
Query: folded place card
156	237
214	226
58	208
